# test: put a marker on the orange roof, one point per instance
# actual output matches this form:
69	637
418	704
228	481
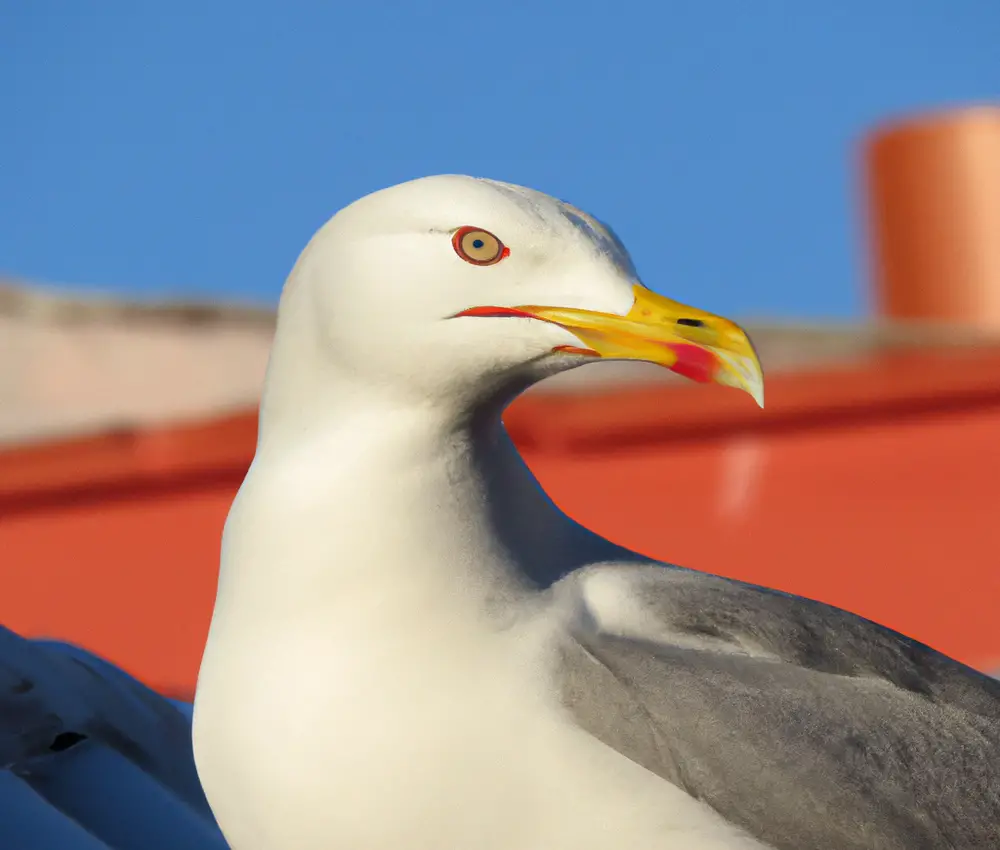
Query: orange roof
892	384
116	536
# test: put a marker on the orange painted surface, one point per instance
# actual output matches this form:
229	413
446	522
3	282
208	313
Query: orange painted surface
933	186
129	576
873	488
897	521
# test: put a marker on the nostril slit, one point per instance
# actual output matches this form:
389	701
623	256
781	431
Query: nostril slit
691	323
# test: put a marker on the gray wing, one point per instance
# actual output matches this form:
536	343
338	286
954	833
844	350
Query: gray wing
92	759
810	727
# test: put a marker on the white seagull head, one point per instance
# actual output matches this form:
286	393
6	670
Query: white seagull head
458	287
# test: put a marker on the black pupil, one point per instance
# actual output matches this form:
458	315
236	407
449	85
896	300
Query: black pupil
477	243
691	323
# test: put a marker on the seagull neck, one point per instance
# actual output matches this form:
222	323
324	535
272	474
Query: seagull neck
374	501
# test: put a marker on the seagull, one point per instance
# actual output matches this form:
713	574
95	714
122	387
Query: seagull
413	648
92	759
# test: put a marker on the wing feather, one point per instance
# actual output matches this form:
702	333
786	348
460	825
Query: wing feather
806	725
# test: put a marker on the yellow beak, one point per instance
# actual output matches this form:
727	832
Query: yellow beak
691	342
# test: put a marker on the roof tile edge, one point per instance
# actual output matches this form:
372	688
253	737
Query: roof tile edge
903	384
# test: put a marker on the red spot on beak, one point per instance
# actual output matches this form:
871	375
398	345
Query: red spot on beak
693	362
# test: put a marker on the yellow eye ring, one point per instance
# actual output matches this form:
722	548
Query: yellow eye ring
478	246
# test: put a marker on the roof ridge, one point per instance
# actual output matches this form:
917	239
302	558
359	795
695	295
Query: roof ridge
42	302
54	304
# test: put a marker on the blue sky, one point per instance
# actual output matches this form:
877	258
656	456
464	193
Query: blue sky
191	148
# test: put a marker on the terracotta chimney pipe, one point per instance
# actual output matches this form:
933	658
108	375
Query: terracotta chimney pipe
933	194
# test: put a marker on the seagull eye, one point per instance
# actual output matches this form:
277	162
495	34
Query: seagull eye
478	246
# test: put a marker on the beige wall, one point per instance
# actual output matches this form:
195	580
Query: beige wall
78	364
